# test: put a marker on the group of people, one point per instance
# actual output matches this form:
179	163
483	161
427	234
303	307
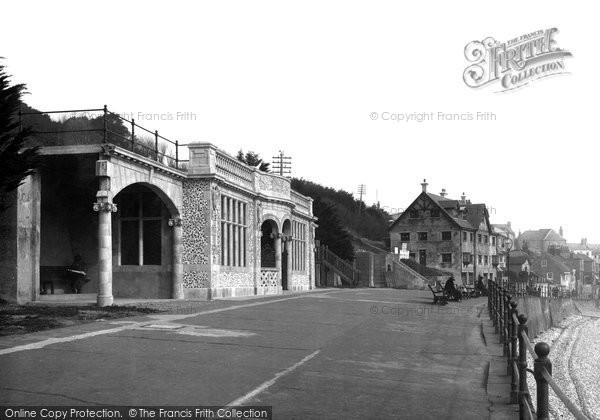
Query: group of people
455	294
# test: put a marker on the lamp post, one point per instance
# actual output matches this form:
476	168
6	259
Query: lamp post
509	245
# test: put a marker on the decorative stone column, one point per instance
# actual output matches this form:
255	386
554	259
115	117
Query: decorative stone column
277	241
288	248
104	207
177	263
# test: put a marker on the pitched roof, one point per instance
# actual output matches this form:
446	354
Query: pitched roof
475	213
518	257
541	235
553	263
503	229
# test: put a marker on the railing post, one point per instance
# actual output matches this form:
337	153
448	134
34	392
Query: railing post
176	154
105	124
542	362
507	322
495	300
132	134
501	315
523	389
512	360
489	298
156	144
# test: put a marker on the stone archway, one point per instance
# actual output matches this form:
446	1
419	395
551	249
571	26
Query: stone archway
146	244
270	257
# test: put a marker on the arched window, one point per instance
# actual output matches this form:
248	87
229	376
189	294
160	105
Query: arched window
140	214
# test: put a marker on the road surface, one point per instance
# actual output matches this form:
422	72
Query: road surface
328	354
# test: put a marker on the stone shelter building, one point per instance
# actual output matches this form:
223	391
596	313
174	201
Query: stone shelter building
145	229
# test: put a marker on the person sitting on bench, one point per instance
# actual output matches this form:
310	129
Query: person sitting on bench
451	290
77	274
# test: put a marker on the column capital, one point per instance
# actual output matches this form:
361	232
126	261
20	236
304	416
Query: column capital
175	222
105	206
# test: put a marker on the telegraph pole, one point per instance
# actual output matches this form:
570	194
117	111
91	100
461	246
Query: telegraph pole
362	190
282	164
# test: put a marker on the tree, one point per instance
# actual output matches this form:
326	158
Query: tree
253	159
331	232
17	162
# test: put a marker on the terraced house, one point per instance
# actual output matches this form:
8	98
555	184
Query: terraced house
451	235
143	226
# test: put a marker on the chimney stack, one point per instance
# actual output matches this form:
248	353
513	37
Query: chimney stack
508	224
424	185
560	231
463	198
443	193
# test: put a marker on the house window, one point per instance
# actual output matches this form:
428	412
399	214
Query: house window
234	225
447	258
485	239
550	276
486	259
414	214
479	237
446	236
140	228
412	255
479	259
435	213
544	263
493	241
299	246
464	236
464	278
405	237
471	236
396	250
422	236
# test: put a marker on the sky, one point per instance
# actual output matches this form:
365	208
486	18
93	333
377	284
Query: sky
308	78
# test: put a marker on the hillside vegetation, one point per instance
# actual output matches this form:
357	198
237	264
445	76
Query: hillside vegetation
342	217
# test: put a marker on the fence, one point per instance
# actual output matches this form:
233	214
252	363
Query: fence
512	328
344	268
112	128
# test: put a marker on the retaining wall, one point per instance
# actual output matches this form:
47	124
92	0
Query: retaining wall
544	313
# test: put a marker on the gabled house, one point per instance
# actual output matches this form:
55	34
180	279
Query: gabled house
551	269
540	240
447	234
519	262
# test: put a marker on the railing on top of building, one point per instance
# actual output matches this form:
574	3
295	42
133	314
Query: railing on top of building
300	200
228	166
513	331
155	147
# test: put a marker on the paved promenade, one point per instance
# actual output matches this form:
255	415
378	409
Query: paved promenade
328	354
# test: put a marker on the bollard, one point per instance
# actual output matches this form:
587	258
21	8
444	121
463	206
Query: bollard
542	362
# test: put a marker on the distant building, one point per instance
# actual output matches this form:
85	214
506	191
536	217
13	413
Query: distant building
553	270
505	236
450	235
540	240
519	262
582	248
